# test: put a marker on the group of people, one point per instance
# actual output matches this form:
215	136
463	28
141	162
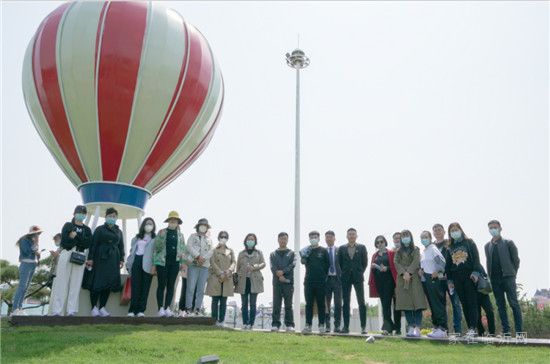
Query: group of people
405	278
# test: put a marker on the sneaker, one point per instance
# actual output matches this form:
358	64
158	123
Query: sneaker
274	328
182	313
433	332
140	314
385	332
439	334
327	329
198	314
416	332
364	331
337	330
307	329
55	314
471	333
168	312
72	313
103	312
322	329
244	327
130	314
289	329
410	333
345	330
162	313
95	312
220	324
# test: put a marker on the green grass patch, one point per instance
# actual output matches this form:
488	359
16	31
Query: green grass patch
169	344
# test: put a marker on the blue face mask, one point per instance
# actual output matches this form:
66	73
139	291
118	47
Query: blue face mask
80	217
406	240
456	235
110	220
250	244
425	242
494	232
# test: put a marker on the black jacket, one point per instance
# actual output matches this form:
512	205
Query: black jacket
82	240
317	264
462	259
508	254
353	269
284	262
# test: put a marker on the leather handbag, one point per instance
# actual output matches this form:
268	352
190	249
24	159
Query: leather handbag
77	258
484	285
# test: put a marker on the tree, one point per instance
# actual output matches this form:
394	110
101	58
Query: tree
39	288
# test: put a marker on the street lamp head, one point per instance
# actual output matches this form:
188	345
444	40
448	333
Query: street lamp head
297	59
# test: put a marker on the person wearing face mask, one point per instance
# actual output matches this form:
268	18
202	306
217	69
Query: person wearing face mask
220	278
282	263
168	252
432	263
502	266
316	260
396	313
105	259
353	260
382	280
139	264
76	238
199	247
29	255
250	280
441	244
409	294
463	270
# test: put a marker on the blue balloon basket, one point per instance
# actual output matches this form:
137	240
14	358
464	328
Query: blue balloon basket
129	200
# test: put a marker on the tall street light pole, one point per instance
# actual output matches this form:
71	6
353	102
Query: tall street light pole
297	60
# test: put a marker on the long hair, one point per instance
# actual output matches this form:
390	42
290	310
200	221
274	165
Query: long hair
403	247
141	233
453	225
255	240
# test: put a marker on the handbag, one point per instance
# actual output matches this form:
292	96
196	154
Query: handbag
77	258
484	285
235	279
126	295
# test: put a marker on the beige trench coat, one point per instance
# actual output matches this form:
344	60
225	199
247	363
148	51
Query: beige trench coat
222	260
256	261
408	296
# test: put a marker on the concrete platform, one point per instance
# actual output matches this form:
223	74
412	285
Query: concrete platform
113	320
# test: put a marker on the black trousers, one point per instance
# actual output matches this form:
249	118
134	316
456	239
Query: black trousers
219	306
333	291
507	286
166	281
315	292
282	292
396	317
386	289
102	296
467	293
181	303
360	293
141	282
484	301
437	301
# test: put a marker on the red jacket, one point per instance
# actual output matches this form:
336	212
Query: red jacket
372	285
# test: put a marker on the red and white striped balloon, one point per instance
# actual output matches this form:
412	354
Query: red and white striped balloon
126	92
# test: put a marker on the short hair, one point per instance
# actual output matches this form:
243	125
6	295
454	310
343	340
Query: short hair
281	234
396	233
494	222
58	235
437	225
380	237
314	233
427	232
351	229
224	233
111	210
330	232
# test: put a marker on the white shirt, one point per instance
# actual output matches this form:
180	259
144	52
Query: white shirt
432	260
142	243
332	253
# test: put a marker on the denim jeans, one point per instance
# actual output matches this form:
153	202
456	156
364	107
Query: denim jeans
248	314
26	271
219	306
455	303
507	286
196	279
414	318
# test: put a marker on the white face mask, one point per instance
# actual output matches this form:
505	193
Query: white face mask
172	225
57	242
203	229
149	228
223	241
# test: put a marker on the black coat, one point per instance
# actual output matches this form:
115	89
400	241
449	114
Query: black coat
508	254
107	252
82	240
353	269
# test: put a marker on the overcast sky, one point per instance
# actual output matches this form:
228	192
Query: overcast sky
413	113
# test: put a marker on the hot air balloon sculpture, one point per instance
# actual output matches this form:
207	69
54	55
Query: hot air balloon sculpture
125	95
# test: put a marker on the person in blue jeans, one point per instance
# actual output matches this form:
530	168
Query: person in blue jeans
29	255
442	243
502	266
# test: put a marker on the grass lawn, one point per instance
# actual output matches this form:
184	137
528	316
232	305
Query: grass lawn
154	344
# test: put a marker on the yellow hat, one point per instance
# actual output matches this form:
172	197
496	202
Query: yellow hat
174	215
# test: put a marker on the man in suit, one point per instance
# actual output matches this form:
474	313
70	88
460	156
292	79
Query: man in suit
334	284
502	266
353	261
